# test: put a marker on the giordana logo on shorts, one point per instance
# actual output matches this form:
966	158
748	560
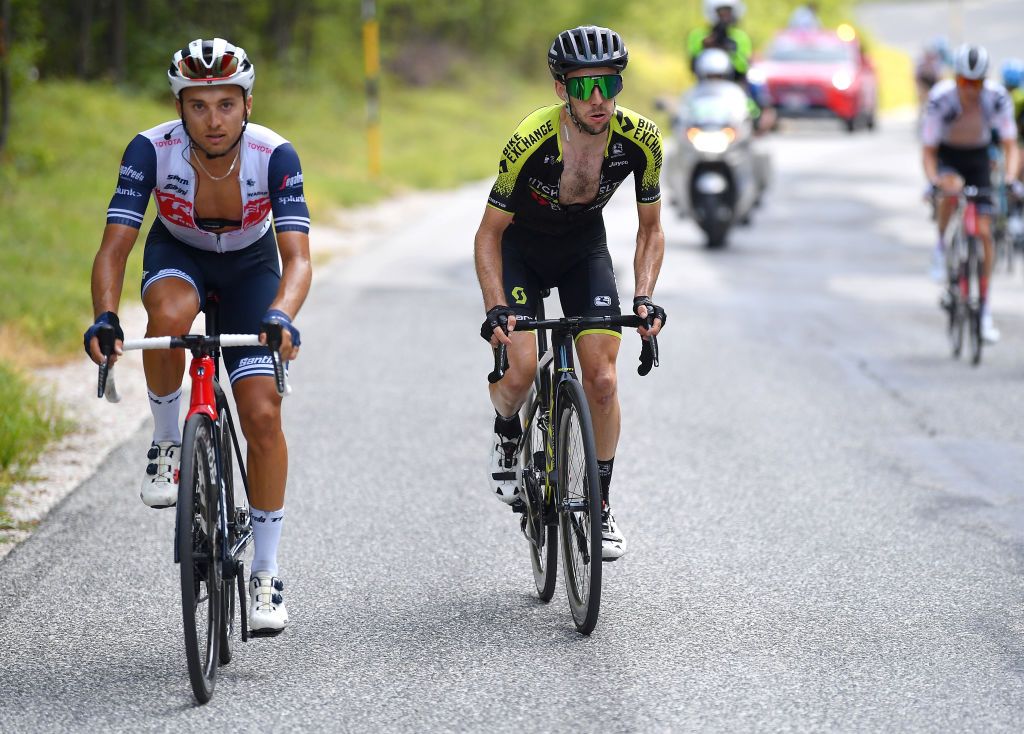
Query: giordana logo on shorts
602	300
250	361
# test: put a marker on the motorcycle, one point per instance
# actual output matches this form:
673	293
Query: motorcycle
715	173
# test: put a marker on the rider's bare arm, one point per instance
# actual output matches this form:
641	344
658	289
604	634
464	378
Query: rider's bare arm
650	251
108	274
1011	154
487	255
296	276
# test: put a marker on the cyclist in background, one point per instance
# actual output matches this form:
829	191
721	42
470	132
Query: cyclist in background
930	67
222	186
543	228
958	126
723	33
1013	80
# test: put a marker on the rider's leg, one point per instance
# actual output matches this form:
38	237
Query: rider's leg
171	305
509	393
259	414
597	352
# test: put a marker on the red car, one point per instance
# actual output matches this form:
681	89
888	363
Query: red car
818	73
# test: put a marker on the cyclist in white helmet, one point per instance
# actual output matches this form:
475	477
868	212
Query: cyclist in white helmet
222	187
956	131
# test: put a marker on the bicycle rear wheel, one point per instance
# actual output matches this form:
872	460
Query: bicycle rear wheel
201	583
541	536
579	506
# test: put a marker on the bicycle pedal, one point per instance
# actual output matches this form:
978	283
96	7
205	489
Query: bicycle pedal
518	507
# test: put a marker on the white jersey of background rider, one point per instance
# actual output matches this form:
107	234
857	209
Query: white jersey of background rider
943	113
157	162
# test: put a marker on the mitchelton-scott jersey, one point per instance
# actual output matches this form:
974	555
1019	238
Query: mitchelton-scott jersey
531	168
157	162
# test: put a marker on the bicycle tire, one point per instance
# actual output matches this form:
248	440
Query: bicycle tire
227	622
198	498
956	327
543	552
579	506
974	301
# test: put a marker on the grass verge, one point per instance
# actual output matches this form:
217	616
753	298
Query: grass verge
28	422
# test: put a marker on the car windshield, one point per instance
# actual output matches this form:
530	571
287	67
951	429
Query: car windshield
721	103
821	51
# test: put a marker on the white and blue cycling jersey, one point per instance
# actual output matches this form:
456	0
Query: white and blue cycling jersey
156	162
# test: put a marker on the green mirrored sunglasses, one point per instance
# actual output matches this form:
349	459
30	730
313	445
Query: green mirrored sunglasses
581	87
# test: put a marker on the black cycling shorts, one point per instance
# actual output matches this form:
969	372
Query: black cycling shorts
245	282
577	263
974	167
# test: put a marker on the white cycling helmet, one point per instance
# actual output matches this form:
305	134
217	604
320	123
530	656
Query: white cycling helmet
971	62
711	9
209	64
714	62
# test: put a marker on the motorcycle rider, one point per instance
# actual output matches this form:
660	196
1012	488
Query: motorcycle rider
723	33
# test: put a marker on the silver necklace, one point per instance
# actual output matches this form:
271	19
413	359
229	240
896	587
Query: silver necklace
218	178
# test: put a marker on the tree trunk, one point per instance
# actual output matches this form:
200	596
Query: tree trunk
117	30
5	73
85	40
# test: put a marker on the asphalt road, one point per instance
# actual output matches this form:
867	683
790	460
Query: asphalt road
996	24
824	511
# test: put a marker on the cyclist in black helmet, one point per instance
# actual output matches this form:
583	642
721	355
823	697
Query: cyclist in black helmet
543	228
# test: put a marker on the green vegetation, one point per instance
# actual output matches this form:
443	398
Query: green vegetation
29	420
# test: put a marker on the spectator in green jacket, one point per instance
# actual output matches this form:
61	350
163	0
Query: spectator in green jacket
723	15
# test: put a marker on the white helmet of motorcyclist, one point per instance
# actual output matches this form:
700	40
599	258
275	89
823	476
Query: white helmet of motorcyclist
713	63
711	9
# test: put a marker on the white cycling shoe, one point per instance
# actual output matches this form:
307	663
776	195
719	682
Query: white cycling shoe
989	333
160	484
267	612
613	542
504	468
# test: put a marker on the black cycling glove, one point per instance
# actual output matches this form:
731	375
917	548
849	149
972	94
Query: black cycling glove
497	316
275	316
653	311
107	318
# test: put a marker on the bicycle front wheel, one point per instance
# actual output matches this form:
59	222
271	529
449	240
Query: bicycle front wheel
974	301
541	536
202	587
227	620
579	506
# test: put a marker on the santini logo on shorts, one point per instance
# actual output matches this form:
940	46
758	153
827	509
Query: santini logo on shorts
250	361
603	301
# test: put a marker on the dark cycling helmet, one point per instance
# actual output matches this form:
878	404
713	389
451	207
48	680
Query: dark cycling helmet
971	62
586	47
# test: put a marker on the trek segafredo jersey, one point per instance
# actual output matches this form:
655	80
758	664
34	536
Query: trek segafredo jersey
531	168
157	162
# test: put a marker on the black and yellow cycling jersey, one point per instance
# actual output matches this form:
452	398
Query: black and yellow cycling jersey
531	167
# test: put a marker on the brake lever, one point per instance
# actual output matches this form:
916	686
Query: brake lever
500	363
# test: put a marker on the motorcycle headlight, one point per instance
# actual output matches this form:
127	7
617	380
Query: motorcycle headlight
711	141
842	80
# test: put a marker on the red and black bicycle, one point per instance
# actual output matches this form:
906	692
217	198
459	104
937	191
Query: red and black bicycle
213	527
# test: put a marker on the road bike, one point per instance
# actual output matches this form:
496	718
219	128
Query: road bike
213	527
964	298
560	489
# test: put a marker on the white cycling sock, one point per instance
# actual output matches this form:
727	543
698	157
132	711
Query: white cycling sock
266	532
166	412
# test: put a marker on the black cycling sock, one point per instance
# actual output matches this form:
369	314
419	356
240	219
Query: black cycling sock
509	428
604	471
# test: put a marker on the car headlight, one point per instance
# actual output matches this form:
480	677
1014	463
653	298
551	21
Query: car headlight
711	141
842	80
